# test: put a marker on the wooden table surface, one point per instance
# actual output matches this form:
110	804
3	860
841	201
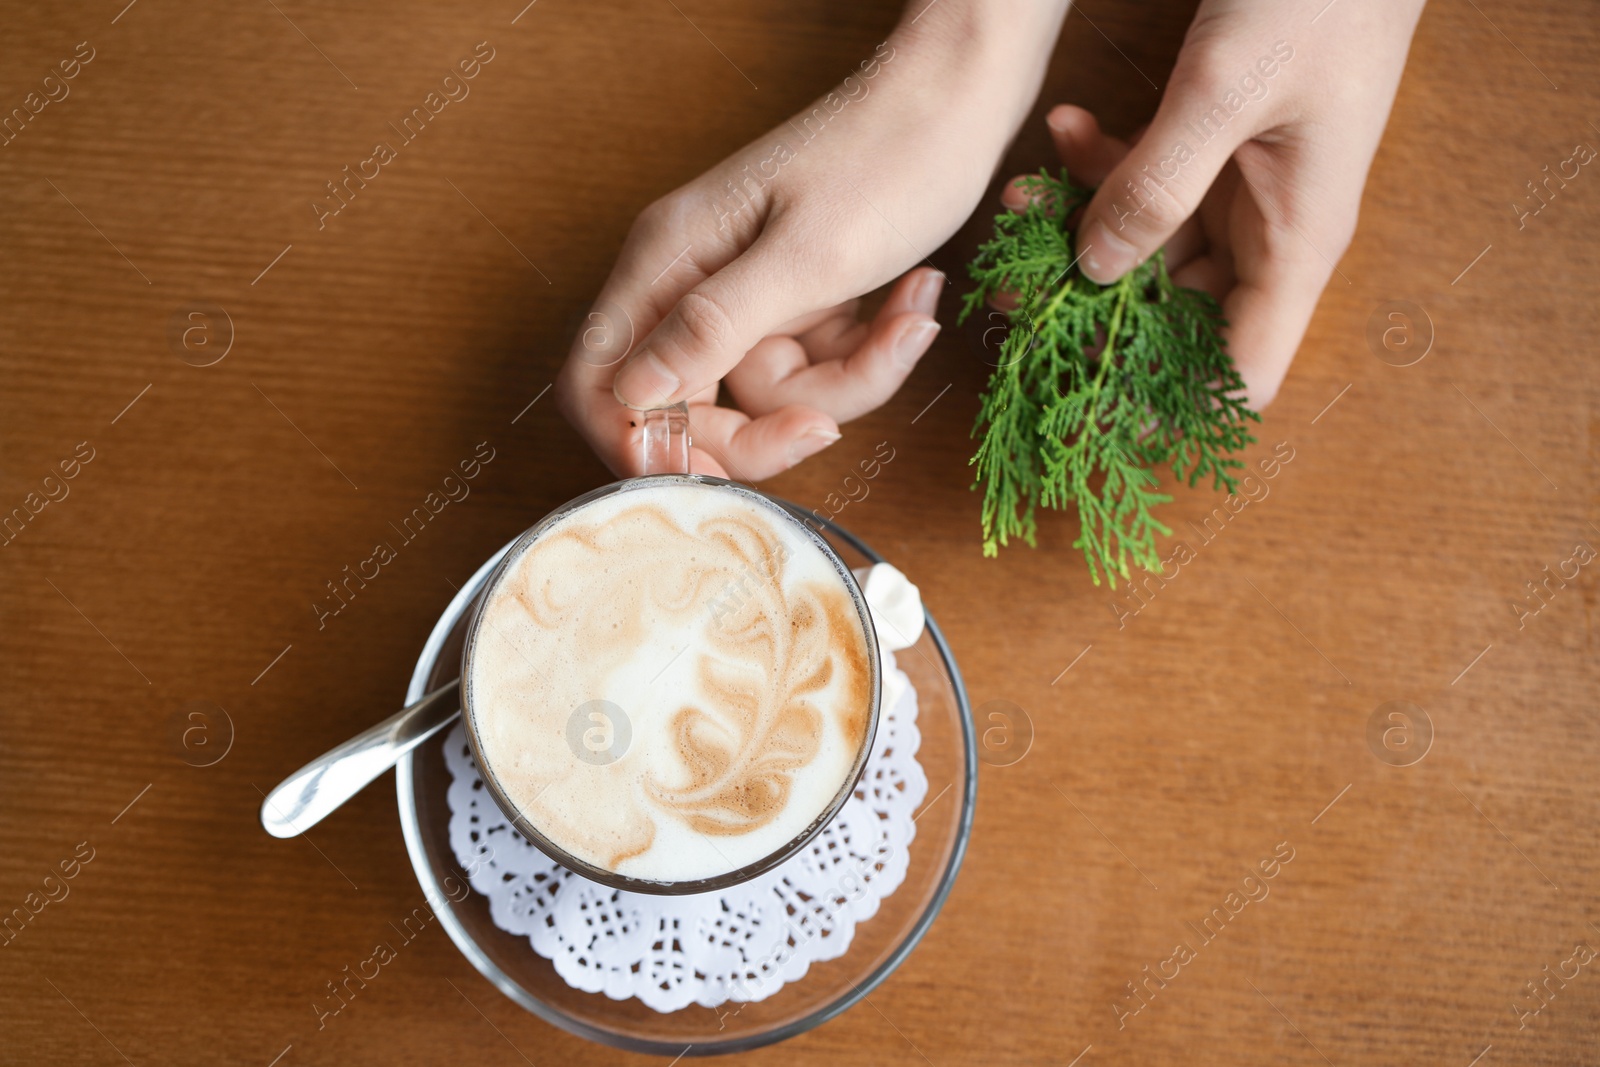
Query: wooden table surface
1230	719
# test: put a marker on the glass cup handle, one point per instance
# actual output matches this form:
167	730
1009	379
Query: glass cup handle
666	439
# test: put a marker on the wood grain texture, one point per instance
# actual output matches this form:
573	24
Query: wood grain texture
1180	750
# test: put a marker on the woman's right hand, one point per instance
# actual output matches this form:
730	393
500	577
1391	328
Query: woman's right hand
749	274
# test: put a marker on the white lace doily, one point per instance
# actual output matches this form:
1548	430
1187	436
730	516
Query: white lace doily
741	944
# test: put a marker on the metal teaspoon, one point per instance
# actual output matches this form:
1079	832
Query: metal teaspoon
310	794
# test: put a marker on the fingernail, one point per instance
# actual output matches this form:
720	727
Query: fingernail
1058	119
812	442
645	383
1106	257
913	342
927	297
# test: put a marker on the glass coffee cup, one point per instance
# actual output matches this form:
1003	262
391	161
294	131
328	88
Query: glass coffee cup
670	684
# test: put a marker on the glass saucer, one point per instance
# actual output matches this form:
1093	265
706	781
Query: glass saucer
948	756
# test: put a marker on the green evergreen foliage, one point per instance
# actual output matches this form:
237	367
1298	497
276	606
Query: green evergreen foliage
1096	387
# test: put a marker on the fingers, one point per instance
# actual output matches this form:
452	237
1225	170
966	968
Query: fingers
663	257
642	306
1160	183
730	444
782	371
1209	273
723	442
1090	155
674	329
710	328
1268	311
613	431
835	337
1266	322
1088	152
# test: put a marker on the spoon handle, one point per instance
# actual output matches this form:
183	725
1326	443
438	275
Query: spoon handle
308	795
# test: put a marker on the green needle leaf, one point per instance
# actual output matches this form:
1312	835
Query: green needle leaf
1096	387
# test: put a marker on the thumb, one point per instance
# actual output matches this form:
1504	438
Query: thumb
709	330
1157	186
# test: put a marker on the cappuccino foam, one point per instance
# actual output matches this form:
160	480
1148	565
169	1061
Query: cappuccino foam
671	682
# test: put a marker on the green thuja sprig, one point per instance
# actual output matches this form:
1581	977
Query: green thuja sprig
1096	386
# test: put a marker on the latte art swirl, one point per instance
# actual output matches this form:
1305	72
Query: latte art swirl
728	650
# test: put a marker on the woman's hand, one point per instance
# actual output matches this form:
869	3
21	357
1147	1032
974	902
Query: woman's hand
748	275
1251	172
